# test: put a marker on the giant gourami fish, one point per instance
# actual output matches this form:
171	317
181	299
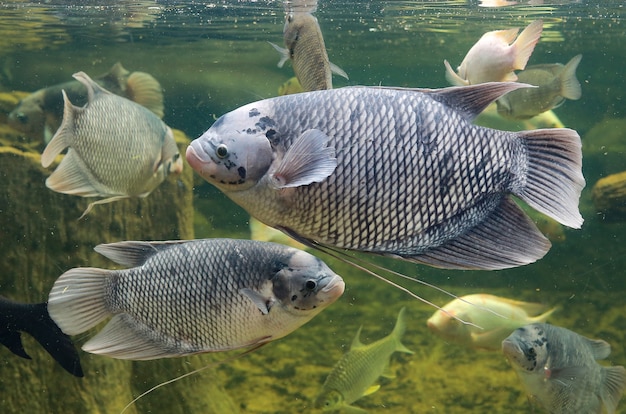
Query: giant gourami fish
559	371
117	148
187	297
399	172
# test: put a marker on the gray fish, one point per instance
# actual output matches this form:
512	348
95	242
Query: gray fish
395	172
354	374
40	114
306	49
33	318
118	148
554	82
559	370
188	297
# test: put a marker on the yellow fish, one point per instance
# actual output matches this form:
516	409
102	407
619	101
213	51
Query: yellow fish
492	319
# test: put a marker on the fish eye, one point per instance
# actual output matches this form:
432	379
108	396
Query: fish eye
310	285
222	151
23	118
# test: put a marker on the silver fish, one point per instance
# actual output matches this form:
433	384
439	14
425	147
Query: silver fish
40	114
118	149
306	49
554	82
354	374
395	172
559	370
187	297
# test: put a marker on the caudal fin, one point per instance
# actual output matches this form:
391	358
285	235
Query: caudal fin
613	385
554	178
570	87
77	299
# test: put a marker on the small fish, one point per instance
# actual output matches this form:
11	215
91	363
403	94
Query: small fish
559	370
40	114
496	55
554	82
187	297
353	375
16	317
396	172
118	149
493	318
306	49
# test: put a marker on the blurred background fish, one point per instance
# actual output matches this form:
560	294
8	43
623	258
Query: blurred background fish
40	114
118	148
33	318
304	46
488	319
554	82
186	297
353	376
495	56
558	368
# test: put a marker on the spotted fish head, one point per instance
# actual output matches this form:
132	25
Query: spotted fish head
306	284
527	348
329	401
236	151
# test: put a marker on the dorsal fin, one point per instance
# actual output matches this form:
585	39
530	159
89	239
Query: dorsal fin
133	253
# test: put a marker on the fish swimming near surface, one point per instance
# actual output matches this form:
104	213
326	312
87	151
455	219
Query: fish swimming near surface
395	172
117	148
554	82
40	114
488	319
33	318
187	297
496	55
304	46
559	370
354	374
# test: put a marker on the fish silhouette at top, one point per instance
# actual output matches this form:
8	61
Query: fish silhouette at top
496	55
304	46
117	148
396	172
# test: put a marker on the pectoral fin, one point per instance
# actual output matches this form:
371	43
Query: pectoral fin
264	304
308	160
284	54
371	390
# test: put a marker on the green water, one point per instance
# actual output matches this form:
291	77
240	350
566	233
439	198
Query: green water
213	57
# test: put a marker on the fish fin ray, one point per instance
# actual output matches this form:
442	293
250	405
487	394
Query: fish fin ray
284	54
103	201
452	77
145	90
63	137
133	253
526	42
76	302
613	385
71	177
261	302
338	71
570	87
554	180
307	161
507	238
600	349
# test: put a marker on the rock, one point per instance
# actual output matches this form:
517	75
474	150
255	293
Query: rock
609	196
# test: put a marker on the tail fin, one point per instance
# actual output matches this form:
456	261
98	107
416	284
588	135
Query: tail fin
554	178
398	332
77	299
613	385
525	43
570	87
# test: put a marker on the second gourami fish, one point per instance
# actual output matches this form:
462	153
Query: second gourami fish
354	374
395	172
493	317
187	297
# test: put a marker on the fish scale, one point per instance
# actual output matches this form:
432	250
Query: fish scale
185	297
413	177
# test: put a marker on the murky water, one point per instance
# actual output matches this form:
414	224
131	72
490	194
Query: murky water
213	57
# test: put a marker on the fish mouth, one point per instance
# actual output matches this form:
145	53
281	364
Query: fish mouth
200	165
334	289
510	348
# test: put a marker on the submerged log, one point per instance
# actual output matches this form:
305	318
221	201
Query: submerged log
40	238
609	196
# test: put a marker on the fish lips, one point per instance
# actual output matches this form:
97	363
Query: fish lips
512	350
333	289
203	166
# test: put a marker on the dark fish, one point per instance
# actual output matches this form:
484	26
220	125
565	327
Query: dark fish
33	319
559	370
117	148
40	114
395	172
187	297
